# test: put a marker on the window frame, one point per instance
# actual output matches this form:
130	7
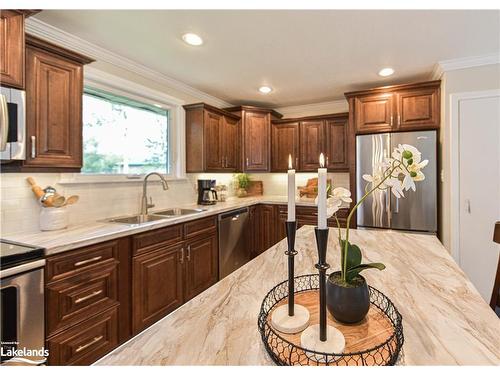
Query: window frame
115	85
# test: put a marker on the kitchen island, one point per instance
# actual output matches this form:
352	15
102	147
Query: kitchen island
445	320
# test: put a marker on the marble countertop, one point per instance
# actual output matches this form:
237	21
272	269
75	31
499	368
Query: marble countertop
445	320
76	236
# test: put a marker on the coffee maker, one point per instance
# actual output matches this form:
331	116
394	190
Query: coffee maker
206	192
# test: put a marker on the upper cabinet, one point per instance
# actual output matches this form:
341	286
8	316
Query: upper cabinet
54	89
396	108
212	139
285	142
12	48
256	137
306	138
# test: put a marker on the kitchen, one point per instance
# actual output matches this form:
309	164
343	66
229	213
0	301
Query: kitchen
143	203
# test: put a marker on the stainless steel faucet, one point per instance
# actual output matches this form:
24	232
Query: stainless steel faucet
144	202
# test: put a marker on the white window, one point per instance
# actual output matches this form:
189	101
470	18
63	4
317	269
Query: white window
124	136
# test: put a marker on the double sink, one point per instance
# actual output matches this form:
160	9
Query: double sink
158	215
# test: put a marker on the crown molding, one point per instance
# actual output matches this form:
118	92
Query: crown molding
463	63
334	106
55	35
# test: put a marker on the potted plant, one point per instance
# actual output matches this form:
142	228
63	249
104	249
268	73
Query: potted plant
242	183
348	298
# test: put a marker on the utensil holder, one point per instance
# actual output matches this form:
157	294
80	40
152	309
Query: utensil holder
53	218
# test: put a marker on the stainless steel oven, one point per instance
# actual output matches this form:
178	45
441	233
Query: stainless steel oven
12	124
22	304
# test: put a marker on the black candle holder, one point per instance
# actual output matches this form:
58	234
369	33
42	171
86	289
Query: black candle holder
291	229
322	266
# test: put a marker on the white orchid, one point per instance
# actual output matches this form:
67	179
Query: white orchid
397	173
338	196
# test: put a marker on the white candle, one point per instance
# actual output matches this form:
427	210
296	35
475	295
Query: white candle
322	174
291	190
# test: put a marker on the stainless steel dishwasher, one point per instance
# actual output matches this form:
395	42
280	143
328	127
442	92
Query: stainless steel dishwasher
233	253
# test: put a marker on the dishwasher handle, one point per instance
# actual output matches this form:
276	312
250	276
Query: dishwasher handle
233	215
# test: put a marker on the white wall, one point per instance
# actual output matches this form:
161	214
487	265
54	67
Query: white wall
480	78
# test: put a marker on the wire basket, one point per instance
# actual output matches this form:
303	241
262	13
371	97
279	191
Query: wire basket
284	352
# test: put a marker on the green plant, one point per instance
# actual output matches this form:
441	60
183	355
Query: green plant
242	180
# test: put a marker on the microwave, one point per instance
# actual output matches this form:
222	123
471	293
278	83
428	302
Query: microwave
12	124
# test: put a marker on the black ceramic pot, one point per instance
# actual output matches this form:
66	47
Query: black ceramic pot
347	305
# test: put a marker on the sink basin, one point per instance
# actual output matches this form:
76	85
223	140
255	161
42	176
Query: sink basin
135	219
179	211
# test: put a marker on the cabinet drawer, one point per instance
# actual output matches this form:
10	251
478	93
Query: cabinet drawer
158	238
201	226
64	265
74	299
86	342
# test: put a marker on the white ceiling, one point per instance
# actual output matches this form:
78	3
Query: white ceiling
306	56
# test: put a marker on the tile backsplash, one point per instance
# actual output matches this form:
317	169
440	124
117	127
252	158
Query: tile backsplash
20	210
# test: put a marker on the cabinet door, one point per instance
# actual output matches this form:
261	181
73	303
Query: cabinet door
374	113
256	134
253	232
53	110
285	141
311	144
201	265
267	232
281	221
156	285
418	109
336	144
213	147
12	49
231	140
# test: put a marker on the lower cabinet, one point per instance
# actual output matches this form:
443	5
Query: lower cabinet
156	285
171	266
85	343
201	265
86	314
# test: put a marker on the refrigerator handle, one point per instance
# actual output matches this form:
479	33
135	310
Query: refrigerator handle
388	206
396	209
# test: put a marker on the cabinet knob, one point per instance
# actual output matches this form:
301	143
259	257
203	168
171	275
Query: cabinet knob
391	119
247	162
182	256
188	256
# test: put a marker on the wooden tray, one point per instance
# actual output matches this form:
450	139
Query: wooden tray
376	340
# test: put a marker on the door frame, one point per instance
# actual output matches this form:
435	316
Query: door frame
454	154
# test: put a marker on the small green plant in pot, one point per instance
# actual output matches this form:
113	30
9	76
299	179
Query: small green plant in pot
348	298
242	181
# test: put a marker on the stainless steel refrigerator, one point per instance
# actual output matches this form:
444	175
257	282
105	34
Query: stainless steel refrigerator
417	211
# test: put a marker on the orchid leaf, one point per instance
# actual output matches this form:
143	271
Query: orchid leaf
353	254
353	272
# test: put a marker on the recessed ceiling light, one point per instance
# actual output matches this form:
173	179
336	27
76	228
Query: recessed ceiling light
157	105
386	72
265	89
192	39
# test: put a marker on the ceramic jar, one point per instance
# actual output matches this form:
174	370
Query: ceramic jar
53	218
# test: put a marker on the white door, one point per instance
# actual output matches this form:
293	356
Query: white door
479	189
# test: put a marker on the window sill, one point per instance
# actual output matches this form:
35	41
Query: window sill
80	179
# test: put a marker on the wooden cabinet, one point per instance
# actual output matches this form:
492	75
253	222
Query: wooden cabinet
396	108
256	137
156	285
265	228
312	136
213	132
230	144
336	143
87	314
308	215
308	137
87	342
285	142
374	113
418	107
212	139
171	265
201	265
12	48
54	88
